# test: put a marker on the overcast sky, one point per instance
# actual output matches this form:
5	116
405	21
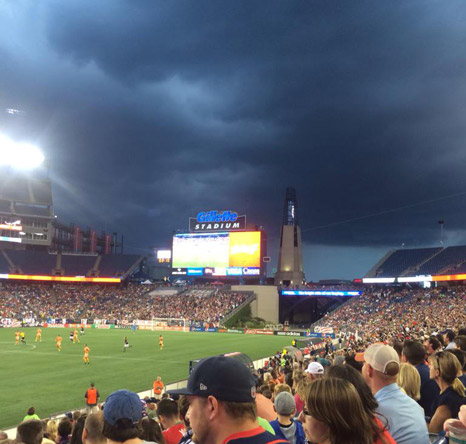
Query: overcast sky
151	111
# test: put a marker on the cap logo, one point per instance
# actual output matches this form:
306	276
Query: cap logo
253	391
202	387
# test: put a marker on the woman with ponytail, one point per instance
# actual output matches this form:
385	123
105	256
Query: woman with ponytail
444	369
335	414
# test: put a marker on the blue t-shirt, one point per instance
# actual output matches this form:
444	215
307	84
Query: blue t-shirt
452	400
254	436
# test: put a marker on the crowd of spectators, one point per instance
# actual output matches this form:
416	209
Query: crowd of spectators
114	303
387	313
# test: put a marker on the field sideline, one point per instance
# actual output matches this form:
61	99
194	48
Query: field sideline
36	374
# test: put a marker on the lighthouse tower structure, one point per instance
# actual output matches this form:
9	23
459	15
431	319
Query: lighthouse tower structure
290	257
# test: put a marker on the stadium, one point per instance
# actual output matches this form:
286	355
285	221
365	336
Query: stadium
208	294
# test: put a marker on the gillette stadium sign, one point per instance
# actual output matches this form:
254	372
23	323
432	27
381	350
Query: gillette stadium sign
214	220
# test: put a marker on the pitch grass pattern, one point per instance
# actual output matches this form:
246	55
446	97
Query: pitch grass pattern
36	374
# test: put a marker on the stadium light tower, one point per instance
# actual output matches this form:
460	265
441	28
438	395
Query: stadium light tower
19	155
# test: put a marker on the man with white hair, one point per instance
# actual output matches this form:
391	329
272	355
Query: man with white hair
405	416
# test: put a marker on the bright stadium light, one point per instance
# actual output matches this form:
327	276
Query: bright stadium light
17	155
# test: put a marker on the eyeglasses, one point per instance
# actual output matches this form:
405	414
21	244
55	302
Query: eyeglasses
306	412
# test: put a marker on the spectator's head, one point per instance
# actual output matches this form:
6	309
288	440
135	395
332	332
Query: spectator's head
167	412
460	342
460	355
432	344
350	374
281	388
51	429
30	432
315	370
444	369
183	406
413	352
122	413
31	411
93	429
449	336
78	428
3	435
64	428
409	381
440	338
398	346
151	431
221	393
381	366
284	404
334	413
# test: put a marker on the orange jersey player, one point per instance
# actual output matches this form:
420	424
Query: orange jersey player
58	343
86	354
39	335
75	336
16	337
161	342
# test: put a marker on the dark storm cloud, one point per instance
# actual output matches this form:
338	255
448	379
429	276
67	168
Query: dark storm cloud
151	111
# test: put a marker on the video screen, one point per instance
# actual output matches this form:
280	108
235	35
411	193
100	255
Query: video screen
218	254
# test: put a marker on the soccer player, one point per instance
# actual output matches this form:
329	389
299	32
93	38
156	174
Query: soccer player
39	335
16	337
22	335
161	342
58	343
71	336
126	344
82	330
75	336
86	354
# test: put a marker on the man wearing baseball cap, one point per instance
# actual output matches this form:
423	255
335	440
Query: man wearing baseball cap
315	370
405	416
221	393
122	413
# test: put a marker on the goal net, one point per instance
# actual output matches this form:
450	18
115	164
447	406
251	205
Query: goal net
177	324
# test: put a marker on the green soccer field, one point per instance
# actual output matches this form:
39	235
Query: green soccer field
36	374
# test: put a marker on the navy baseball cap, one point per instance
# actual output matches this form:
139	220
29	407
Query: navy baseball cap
122	404
224	378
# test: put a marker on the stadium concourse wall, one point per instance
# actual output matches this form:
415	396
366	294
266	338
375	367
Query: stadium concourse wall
265	306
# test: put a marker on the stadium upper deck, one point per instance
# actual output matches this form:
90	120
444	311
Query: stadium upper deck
23	263
408	263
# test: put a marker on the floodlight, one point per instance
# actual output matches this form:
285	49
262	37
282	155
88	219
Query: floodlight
22	155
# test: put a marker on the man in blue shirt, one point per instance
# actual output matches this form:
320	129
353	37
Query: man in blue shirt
405	417
415	353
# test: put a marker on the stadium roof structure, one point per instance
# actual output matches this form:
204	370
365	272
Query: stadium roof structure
420	265
17	188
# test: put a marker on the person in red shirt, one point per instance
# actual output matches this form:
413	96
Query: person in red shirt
169	417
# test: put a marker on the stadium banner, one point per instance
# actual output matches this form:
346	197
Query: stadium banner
320	329
234	330
250	331
197	329
319	335
289	333
46	325
10	323
103	326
